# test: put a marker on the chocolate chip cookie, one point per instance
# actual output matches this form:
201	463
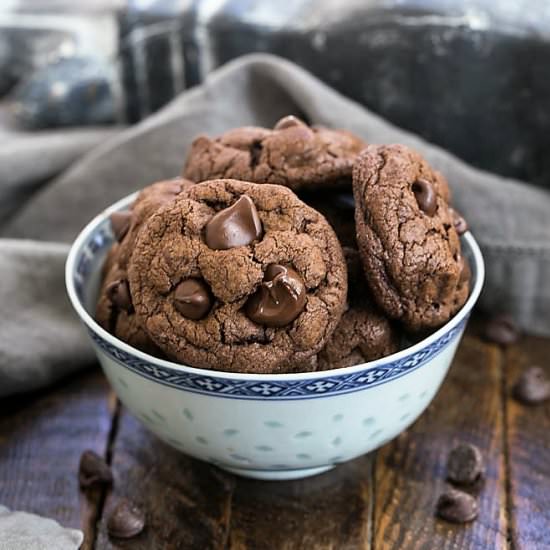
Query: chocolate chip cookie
406	236
114	310
292	154
364	333
239	277
126	224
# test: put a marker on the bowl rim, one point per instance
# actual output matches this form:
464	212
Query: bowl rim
85	235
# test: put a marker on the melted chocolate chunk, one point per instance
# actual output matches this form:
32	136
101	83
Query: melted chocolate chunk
457	507
425	196
120	223
192	299
501	330
237	225
465	464
126	520
118	293
93	471
280	298
532	387
288	122
460	224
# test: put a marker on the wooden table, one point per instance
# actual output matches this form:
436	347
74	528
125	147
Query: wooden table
382	501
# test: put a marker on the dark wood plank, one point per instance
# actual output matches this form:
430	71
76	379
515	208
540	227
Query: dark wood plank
410	472
41	439
330	511
187	503
529	451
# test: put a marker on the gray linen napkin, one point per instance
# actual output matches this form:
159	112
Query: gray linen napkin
510	219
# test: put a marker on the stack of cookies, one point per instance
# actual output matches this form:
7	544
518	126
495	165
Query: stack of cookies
286	250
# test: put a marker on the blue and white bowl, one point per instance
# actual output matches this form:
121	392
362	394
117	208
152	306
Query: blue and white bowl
279	426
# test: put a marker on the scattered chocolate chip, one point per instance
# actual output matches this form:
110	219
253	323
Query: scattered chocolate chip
120	223
93	471
425	196
501	330
532	387
118	293
288	122
457	506
280	298
192	299
126	520
460	224
237	225
465	464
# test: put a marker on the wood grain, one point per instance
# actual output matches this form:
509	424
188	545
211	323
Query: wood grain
529	451
410	472
187	503
330	511
41	439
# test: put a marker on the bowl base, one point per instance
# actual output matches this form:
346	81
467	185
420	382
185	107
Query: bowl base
277	475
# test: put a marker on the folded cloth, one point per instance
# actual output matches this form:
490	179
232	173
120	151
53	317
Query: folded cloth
509	218
23	531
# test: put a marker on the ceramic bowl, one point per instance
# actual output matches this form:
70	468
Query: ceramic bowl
266	426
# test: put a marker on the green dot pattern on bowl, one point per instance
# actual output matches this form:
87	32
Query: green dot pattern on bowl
336	441
303	435
229	432
188	414
406	416
336	459
375	434
122	382
303	456
273	424
337	417
202	440
370	421
423	394
175	442
404	397
279	466
240	458
264	448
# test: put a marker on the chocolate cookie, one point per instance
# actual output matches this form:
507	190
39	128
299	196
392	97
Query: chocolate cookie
126	224
115	312
406	237
112	313
292	154
239	277
364	333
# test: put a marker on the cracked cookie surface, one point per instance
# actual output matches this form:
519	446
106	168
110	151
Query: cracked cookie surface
294	256
409	247
292	154
364	333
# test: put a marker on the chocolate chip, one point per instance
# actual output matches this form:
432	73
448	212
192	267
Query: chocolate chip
93	471
237	225
460	224
118	292
425	196
465	464
501	330
457	506
532	387
288	122
280	298
120	223
192	299
126	520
